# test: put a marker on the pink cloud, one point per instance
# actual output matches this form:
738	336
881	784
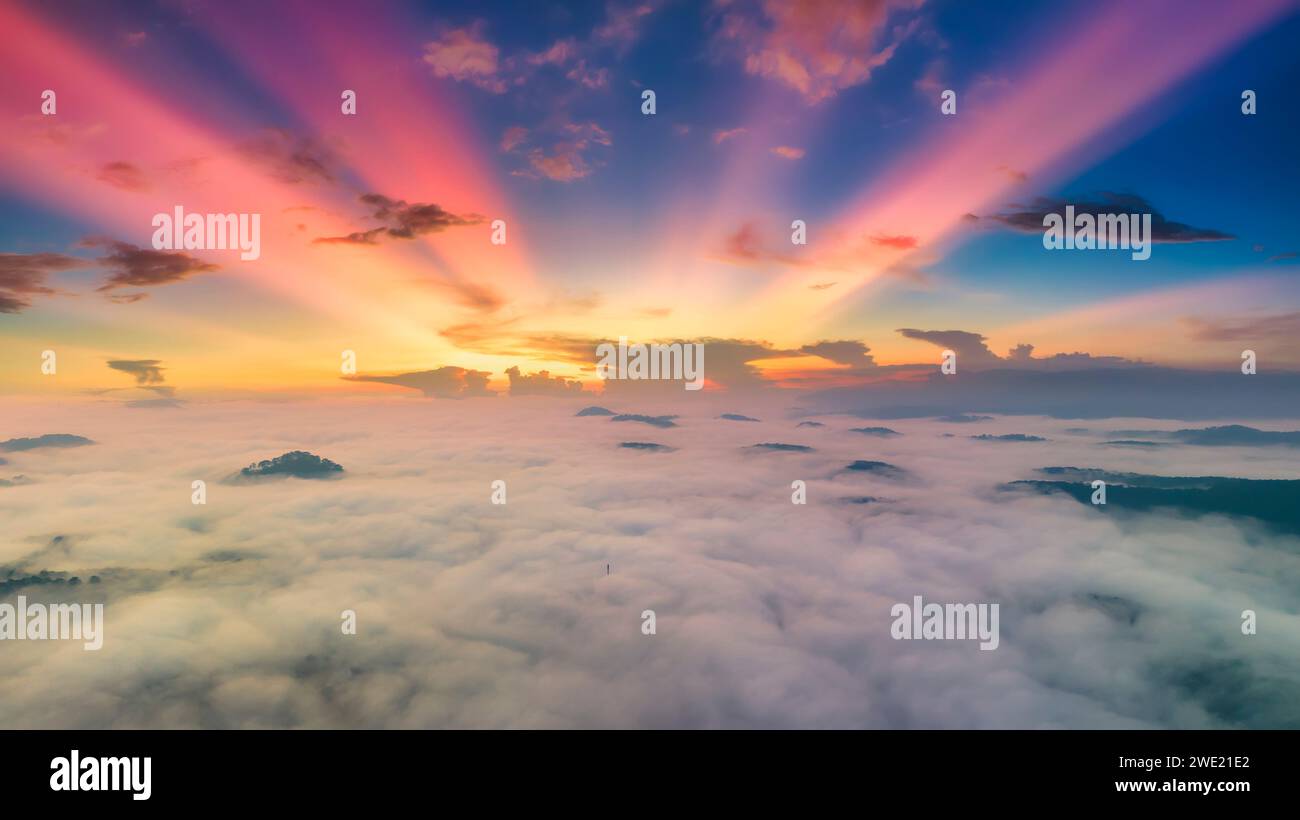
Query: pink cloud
513	137
931	82
565	160
465	56
720	137
585	131
558	54
818	47
563	164
623	24
587	76
124	176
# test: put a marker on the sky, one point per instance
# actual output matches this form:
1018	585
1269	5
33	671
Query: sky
459	203
671	226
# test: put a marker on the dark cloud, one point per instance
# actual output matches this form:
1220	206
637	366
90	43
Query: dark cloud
124	176
1069	361
402	220
369	237
973	351
1282	328
593	410
148	378
292	158
145	371
22	275
727	365
445	382
541	383
405	221
969	347
1085	392
1029	218
143	267
852	353
1021	353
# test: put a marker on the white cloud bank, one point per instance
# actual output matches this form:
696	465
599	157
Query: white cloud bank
768	614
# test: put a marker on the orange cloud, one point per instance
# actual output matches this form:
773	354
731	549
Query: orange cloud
720	137
902	243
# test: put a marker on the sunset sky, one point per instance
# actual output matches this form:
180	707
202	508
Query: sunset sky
674	226
201	461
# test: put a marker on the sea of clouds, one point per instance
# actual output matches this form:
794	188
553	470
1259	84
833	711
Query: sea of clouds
769	614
